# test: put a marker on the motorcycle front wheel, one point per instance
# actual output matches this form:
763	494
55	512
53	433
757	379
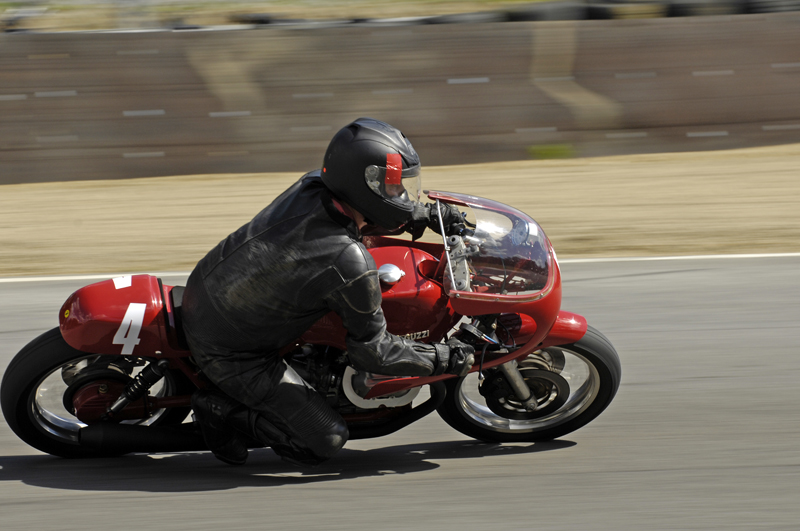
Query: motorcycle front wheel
572	384
35	391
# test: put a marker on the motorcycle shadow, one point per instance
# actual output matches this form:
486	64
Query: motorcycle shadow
200	471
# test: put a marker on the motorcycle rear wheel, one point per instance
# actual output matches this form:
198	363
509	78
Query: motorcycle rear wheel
33	388
573	384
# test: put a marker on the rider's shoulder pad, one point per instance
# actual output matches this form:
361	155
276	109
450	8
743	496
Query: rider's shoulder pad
354	261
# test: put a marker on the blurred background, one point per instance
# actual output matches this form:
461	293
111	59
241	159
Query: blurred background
116	89
624	128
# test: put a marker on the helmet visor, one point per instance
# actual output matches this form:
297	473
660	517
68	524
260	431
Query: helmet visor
402	186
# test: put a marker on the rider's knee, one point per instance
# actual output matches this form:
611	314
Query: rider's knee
320	429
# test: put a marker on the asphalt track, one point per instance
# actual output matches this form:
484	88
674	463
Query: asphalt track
702	435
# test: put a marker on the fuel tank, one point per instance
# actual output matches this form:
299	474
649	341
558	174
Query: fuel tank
415	307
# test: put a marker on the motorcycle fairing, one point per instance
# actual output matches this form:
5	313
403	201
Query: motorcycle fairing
126	316
537	310
568	328
539	317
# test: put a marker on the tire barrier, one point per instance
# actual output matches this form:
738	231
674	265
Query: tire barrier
137	104
571	10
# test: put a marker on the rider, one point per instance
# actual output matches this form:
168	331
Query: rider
301	257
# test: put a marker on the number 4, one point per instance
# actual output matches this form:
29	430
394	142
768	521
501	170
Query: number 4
128	333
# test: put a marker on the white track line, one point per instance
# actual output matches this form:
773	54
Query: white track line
11	280
109	276
785	127
666	258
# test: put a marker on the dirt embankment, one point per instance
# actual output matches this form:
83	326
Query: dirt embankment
742	201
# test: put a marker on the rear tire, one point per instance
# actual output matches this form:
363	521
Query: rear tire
573	383
32	391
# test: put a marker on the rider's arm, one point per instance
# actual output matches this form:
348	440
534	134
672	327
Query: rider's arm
370	347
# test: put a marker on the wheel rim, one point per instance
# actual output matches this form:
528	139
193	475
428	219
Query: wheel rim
580	375
46	405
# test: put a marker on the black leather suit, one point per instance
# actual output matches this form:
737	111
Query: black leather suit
267	283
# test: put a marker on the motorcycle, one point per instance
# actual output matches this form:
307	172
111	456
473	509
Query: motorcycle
116	375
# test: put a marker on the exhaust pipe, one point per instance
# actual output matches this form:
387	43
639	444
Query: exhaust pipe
126	438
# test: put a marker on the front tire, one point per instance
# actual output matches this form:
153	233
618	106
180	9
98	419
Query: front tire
34	385
573	384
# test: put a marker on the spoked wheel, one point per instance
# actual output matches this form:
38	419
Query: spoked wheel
571	385
50	391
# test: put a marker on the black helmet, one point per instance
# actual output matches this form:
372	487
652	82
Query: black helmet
373	167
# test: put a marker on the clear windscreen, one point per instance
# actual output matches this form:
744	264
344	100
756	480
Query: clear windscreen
504	252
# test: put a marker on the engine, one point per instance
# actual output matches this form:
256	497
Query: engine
328	371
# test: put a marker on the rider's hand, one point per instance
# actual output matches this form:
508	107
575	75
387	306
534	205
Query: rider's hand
452	219
462	357
427	216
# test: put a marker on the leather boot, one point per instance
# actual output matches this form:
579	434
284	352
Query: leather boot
212	410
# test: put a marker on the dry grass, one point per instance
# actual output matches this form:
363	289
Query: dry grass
740	201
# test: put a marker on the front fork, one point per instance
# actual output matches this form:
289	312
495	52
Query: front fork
483	330
511	371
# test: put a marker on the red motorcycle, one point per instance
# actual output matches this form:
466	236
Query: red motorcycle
116	376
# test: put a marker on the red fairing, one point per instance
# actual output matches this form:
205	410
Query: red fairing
515	328
122	316
538	315
568	328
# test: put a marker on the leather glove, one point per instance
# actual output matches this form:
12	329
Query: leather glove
454	357
452	219
427	217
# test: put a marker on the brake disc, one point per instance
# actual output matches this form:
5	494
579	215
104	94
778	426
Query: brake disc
550	389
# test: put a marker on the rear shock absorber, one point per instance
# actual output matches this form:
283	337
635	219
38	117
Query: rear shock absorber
138	387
